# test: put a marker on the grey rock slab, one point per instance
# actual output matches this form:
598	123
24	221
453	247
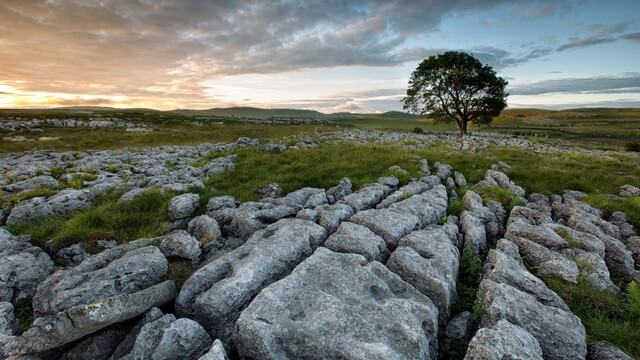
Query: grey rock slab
443	171
76	322
8	322
251	217
458	327
65	202
430	206
503	181
559	268
628	190
216	293
540	234
168	338
336	193
99	277
579	239
429	261
529	215
183	206
619	219
390	181
633	245
98	346
503	341
217	352
180	244
357	239
204	228
126	345
475	235
501	268
388	224
330	216
593	268
22	267
461	181
128	197
345	307
605	351
560	334
42	181
303	198
367	197
510	249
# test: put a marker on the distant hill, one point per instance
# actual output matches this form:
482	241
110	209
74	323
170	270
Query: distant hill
250	112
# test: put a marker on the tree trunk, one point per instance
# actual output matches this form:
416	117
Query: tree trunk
462	126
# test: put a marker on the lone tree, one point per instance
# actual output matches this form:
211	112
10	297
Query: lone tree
455	86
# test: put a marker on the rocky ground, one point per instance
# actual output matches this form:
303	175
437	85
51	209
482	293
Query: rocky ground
365	273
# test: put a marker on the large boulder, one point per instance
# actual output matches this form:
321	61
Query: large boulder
183	206
42	181
250	217
204	228
336	193
503	341
367	197
121	270
168	338
429	261
63	203
345	307
22	267
216	293
560	334
429	206
475	234
76	322
180	244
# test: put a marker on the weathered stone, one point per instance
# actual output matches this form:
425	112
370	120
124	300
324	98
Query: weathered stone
183	206
529	215
560	334
559	268
424	167
593	268
345	307
503	341
430	206
217	352
390	181
98	346
204	228
501	268
22	267
73	255
303	198
540	234
128	197
460	179
37	182
330	216
367	197
619	219
65	202
101	276
429	261
503	181
167	338
251	217
388	224
126	345
633	244
357	239
76	322
579	240
338	192
443	171
458	327
605	351
216	293
628	190
510	249
475	236
181	245
272	190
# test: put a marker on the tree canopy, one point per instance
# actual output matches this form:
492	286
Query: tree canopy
455	86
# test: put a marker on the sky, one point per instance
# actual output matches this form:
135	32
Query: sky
326	55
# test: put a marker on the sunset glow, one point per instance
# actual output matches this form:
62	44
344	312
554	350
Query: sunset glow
329	56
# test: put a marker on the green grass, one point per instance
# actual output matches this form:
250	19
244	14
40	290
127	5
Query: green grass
322	167
146	216
605	315
23	312
629	205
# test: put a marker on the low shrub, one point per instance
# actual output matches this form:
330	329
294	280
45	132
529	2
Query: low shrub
632	146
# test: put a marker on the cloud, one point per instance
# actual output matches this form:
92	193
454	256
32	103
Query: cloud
80	101
600	34
633	37
623	83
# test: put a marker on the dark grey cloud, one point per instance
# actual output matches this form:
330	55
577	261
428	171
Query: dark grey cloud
633	37
623	83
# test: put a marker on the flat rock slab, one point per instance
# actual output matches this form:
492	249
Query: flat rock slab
388	224
429	261
74	323
560	334
429	206
357	239
338	306
113	272
367	197
216	293
63	203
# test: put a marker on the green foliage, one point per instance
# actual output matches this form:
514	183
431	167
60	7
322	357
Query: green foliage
605	315
455	86
455	208
633	293
467	285
146	216
506	197
56	172
629	205
179	271
418	130
23	312
112	168
33	193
